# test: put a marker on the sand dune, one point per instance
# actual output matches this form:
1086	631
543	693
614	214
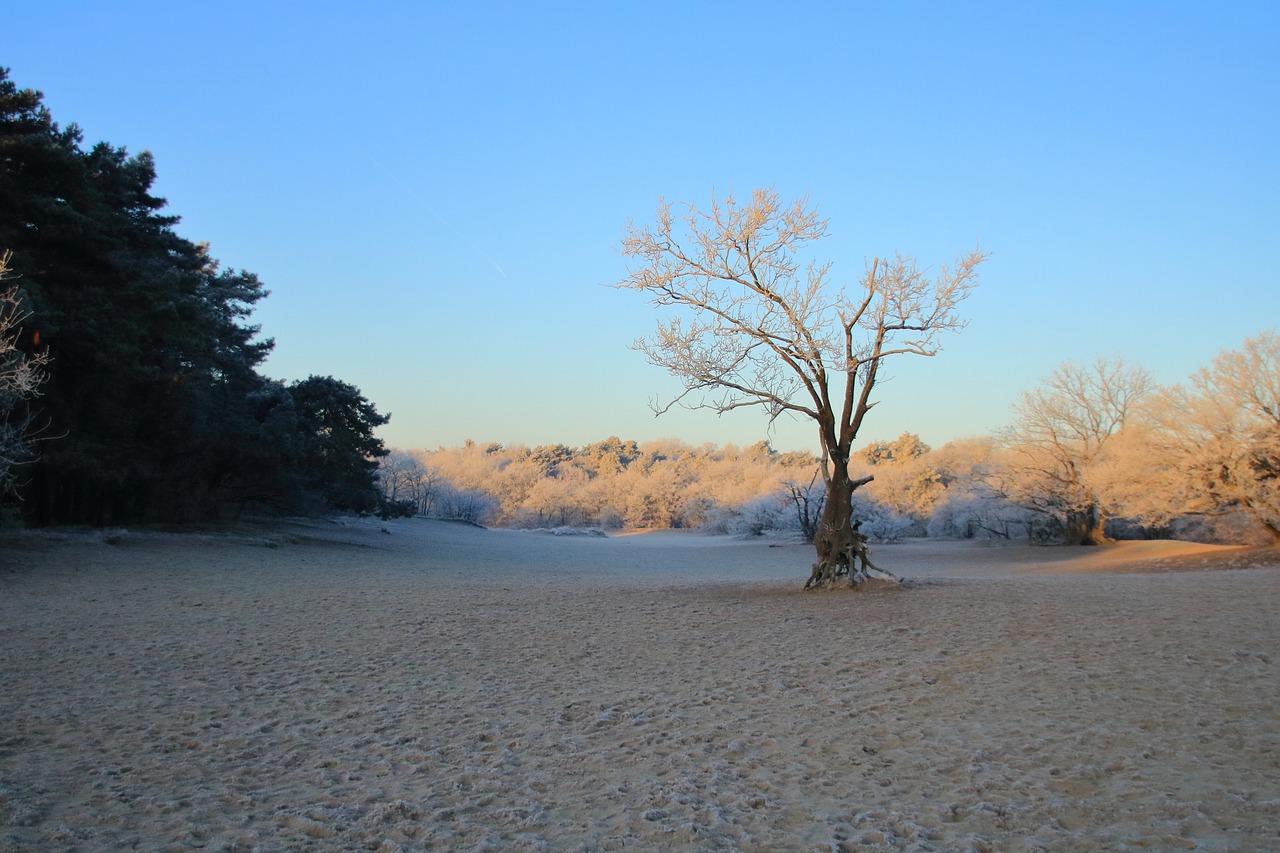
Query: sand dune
337	687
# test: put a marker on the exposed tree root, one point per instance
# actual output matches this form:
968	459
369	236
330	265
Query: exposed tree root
849	559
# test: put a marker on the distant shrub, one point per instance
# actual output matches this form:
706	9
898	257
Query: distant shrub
473	506
389	509
880	523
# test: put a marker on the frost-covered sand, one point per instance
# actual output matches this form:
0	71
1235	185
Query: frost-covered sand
328	687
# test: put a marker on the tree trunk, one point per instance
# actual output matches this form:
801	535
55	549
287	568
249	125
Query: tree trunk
839	544
1085	527
1264	519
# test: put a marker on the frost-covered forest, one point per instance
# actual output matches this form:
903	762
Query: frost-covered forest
616	484
1098	450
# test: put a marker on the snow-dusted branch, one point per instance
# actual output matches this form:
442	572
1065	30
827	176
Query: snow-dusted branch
21	375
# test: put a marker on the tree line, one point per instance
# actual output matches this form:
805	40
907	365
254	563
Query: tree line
1097	451
141	398
610	484
618	484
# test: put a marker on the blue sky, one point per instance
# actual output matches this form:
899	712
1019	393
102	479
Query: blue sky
434	193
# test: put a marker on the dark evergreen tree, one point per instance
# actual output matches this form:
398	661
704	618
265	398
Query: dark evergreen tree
154	404
143	331
340	452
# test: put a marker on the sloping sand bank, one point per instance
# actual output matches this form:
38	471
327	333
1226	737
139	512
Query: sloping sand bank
329	687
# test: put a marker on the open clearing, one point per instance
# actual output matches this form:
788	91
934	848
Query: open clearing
338	687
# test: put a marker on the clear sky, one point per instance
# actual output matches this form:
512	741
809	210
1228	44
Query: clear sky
434	192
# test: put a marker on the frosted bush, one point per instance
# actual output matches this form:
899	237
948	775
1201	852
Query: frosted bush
978	515
471	505
758	515
720	519
879	522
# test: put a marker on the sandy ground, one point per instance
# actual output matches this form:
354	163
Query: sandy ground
335	687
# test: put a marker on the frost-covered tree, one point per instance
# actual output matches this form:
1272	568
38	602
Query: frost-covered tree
805	499
610	456
906	480
1210	447
405	478
21	375
757	329
904	448
560	500
1057	439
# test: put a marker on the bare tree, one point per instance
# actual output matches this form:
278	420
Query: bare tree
760	331
807	499
1060	431
1210	448
1235	425
21	375
403	478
